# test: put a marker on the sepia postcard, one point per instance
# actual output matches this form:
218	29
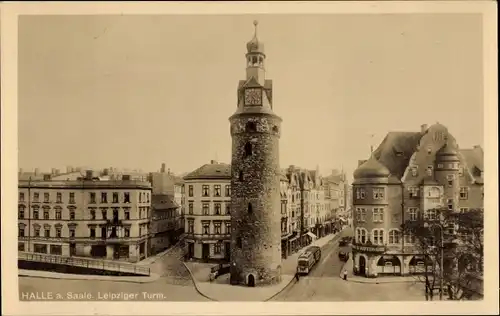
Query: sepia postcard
249	158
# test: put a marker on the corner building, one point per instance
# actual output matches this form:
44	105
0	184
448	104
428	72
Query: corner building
409	175
255	177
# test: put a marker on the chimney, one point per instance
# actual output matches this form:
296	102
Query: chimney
163	165
423	128
126	177
69	169
105	172
53	171
213	162
477	147
89	174
58	171
37	171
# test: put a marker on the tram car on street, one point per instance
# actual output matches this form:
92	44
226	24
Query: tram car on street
308	259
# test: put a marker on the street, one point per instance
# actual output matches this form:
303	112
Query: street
324	283
175	283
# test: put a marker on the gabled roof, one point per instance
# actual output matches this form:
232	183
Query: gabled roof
215	170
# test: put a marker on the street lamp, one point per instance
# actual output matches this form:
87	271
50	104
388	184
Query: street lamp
426	225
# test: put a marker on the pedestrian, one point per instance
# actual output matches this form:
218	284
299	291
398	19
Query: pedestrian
297	276
345	275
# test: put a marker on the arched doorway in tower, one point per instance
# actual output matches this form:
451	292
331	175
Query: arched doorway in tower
251	280
362	265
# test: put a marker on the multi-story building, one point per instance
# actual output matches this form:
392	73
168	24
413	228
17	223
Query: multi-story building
336	191
85	217
207	195
164	221
409	175
165	183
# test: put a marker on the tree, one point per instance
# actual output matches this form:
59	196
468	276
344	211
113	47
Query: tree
451	245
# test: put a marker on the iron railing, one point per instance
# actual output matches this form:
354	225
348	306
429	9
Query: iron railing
85	263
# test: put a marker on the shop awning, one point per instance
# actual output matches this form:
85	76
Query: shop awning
311	235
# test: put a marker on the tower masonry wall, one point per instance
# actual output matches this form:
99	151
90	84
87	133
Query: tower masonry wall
256	236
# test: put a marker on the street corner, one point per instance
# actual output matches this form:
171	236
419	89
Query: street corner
200	272
218	291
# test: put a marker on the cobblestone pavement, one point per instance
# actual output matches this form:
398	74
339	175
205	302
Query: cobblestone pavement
175	283
324	284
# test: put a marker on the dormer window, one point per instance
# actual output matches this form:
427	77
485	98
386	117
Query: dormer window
460	171
429	150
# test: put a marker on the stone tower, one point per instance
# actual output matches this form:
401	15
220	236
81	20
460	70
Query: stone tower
255	177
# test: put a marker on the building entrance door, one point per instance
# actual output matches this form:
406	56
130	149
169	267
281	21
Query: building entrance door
205	252
362	265
190	250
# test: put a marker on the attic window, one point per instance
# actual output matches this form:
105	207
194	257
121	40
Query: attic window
251	127
414	171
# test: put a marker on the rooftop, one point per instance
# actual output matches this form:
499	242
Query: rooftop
213	170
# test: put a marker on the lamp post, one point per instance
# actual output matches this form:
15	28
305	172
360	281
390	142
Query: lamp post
441	259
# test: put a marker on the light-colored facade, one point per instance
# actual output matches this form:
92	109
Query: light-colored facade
409	175
86	217
207	207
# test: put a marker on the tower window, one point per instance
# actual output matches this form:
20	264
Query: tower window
275	129
250	209
248	150
254	60
240	176
251	127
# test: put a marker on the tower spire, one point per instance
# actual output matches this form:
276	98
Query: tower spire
255	24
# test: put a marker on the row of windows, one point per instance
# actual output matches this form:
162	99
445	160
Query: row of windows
378	193
205	190
378	236
205	209
114	233
434	192
206	225
413	213
47	215
143	197
430	169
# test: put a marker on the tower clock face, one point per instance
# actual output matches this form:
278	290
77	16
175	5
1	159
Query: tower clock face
253	96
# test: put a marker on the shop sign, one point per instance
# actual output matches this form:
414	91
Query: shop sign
362	248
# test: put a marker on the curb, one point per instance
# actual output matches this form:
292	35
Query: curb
195	283
161	255
111	278
290	284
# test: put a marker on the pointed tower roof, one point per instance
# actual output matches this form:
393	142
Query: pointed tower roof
254	45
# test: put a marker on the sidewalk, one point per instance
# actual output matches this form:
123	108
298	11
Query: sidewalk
221	290
66	276
379	280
